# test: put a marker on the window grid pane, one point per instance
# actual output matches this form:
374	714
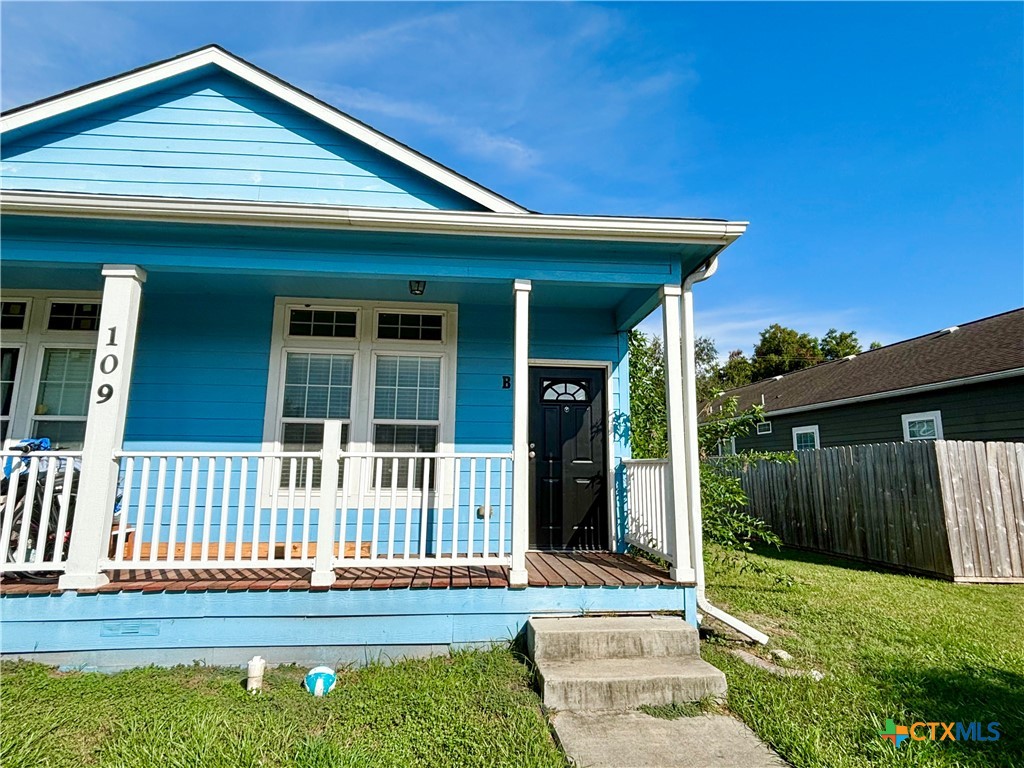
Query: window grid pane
69	435
64	382
317	386
404	438
409	327
8	370
407	388
303	437
12	315
336	324
922	429
805	441
71	316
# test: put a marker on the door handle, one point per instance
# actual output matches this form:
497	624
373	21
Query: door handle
533	453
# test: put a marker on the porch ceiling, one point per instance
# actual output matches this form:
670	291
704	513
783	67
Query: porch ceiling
572	295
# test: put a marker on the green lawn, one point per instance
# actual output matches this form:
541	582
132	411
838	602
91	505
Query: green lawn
472	709
891	646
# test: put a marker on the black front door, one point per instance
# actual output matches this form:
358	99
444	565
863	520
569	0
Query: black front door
568	471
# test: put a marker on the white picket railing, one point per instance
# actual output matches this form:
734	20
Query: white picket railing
646	505
215	510
425	509
37	509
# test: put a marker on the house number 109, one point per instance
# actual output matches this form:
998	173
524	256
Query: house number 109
108	364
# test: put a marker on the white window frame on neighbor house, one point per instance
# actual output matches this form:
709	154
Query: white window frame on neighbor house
934	416
32	342
810	429
365	349
767	424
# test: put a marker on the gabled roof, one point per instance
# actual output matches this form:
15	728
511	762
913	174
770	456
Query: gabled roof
984	349
24	117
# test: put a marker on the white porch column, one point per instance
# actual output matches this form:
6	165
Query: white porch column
323	566
104	430
692	445
520	434
677	519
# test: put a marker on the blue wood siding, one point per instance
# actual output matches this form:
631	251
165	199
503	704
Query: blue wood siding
402	617
216	137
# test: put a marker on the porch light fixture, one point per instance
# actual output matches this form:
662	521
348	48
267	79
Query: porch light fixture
417	287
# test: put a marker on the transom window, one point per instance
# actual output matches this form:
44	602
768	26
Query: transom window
805	438
73	316
406	326
561	390
323	323
922	426
13	315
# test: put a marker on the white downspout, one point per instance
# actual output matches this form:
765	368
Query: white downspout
693	456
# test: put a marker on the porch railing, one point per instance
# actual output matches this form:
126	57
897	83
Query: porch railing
646	506
235	509
37	507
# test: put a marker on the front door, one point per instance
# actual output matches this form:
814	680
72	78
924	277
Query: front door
568	468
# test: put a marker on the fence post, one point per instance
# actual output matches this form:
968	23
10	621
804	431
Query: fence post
323	566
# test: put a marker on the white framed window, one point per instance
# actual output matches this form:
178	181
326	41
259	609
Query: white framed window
46	363
926	425
385	369
10	359
806	438
764	428
727	446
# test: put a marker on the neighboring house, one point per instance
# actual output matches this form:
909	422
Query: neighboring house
299	356
960	383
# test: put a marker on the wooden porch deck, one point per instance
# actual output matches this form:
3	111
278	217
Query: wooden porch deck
546	569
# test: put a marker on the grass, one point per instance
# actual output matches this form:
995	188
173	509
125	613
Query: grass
682	709
474	708
890	645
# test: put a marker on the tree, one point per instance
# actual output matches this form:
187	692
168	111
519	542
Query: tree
648	423
722	498
836	345
782	350
706	363
736	372
875	345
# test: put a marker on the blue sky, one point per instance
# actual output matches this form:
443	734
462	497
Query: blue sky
877	149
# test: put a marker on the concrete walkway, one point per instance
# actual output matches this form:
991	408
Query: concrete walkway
636	740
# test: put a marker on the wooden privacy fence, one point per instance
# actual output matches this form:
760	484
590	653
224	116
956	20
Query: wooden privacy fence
944	507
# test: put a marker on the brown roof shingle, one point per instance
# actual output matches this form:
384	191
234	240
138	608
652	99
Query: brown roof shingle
981	347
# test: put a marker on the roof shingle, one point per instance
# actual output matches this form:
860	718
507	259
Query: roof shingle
985	346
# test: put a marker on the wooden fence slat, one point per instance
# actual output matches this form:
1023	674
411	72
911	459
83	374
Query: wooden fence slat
947	507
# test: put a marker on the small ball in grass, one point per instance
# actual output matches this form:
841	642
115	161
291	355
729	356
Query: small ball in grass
320	681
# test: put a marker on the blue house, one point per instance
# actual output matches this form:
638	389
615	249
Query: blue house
309	390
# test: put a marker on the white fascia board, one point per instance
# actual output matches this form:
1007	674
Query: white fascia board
980	379
556	226
252	75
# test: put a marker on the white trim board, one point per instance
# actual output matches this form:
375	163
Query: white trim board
474	223
215	56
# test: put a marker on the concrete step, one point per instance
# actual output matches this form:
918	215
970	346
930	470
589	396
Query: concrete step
616	637
602	685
